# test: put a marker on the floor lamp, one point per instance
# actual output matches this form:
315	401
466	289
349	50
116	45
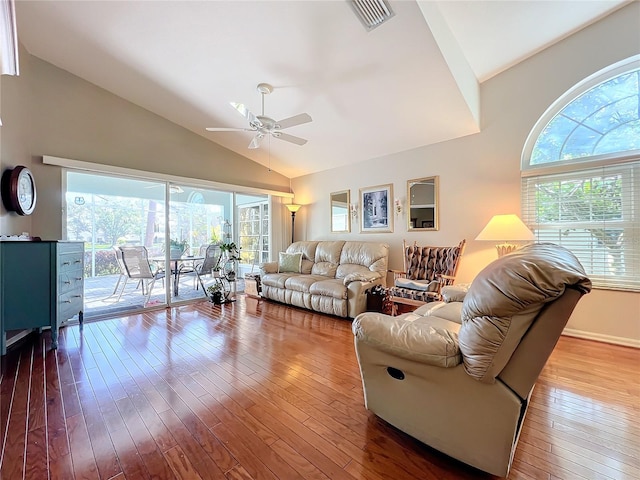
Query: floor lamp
293	208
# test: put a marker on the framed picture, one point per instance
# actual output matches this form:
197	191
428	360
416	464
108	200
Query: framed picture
376	209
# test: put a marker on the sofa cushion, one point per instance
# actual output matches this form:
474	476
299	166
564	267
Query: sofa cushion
302	283
505	298
421	285
289	262
331	287
360	256
327	258
308	250
277	280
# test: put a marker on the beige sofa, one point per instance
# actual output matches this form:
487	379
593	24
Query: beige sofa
332	277
458	374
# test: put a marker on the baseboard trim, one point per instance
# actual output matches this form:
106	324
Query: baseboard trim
598	337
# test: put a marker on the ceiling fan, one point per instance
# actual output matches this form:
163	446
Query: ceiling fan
264	125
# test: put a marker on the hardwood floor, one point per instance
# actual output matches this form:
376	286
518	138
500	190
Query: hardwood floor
257	390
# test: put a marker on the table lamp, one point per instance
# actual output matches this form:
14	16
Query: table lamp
506	228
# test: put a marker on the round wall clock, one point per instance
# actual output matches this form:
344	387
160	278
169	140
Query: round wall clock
19	190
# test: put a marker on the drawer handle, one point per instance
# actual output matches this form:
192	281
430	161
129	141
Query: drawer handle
67	282
77	296
78	278
78	261
67	301
65	263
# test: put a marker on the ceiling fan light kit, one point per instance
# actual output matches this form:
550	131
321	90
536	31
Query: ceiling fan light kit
263	125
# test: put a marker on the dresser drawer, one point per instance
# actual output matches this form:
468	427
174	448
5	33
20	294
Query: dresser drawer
69	281
69	262
69	304
70	247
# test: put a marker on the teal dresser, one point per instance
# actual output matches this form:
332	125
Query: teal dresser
41	285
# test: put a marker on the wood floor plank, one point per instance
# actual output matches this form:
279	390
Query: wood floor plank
82	455
256	390
180	464
198	457
13	454
146	446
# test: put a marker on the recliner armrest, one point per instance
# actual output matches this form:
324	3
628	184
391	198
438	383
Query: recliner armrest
454	293
428	340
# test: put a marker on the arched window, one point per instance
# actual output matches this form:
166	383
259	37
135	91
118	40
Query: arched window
581	175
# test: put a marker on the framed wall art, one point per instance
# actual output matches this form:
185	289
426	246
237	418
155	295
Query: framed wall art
376	209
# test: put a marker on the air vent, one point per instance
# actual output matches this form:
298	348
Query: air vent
372	13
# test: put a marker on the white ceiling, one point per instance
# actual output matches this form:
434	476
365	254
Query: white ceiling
369	93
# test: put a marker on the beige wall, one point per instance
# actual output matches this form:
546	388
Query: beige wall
48	111
480	174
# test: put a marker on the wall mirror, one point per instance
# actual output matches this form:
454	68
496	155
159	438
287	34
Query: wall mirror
422	199
340	220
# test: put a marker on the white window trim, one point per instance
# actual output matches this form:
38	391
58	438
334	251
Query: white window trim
631	63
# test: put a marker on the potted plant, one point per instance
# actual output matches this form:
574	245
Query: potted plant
215	293
231	250
231	253
177	247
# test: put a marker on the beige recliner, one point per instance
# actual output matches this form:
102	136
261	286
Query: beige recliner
458	374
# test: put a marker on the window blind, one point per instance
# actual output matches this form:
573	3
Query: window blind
593	212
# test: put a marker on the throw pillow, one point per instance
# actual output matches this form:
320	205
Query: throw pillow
289	262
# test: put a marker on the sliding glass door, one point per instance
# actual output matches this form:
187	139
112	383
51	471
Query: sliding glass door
198	217
106	213
162	227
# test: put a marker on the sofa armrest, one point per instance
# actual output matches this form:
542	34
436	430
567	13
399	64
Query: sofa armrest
427	340
361	277
268	267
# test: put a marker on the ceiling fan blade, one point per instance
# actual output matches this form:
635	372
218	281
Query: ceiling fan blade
289	138
225	129
255	143
246	113
293	121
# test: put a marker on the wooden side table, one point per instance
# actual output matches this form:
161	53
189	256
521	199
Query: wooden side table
404	305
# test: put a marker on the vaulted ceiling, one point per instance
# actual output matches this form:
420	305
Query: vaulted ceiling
410	82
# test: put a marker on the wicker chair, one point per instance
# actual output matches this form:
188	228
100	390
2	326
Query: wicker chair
426	271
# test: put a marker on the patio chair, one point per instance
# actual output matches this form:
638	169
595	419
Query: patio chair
136	263
123	271
202	251
210	263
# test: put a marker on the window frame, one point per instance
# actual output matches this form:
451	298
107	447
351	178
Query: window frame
627	163
565	99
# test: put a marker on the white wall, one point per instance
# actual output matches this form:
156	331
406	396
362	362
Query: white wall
480	174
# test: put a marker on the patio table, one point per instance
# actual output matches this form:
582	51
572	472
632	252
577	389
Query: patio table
176	267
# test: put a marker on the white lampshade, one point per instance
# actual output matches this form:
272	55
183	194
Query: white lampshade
506	228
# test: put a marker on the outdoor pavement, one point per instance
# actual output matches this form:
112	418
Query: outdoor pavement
100	300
